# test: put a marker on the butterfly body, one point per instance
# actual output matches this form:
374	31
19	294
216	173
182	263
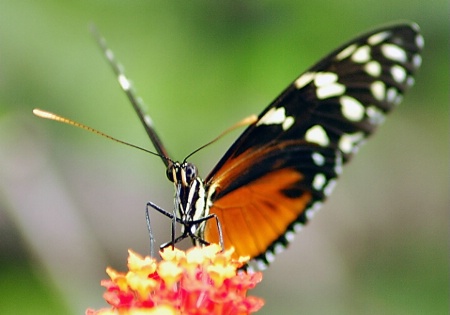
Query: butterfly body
189	202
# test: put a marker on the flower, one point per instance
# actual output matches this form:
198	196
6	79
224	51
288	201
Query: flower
199	281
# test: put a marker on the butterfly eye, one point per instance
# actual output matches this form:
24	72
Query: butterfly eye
169	172
191	172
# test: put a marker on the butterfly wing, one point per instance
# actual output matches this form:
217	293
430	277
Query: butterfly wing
278	172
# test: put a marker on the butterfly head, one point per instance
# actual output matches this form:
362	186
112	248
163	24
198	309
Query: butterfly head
182	173
190	200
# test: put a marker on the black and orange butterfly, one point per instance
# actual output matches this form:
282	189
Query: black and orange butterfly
285	164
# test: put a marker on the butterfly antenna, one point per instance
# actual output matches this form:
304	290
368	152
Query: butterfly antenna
47	115
136	101
244	122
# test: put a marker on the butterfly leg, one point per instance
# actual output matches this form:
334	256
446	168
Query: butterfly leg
173	232
219	229
172	243
149	227
197	240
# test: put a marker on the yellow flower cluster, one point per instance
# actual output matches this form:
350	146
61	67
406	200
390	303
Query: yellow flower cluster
199	281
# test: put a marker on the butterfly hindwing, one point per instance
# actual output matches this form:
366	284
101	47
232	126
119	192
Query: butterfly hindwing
270	196
283	166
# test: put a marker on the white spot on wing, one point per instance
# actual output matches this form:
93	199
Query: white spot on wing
376	116
278	248
329	187
270	257
361	55
319	181
394	52
331	90
346	52
373	68
325	78
298	227
378	90
261	265
420	42
351	108
410	81
348	143
338	163
398	99
273	116
316	134
318	159
304	79
391	94
327	85
325	82
375	39
316	206
417	61
277	116
287	123
415	26
310	212
289	236
398	73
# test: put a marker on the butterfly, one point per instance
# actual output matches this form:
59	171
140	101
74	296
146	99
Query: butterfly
280	170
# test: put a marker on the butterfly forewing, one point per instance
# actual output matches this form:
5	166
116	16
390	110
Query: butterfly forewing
281	168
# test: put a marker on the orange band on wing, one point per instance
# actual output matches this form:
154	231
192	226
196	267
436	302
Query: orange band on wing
255	215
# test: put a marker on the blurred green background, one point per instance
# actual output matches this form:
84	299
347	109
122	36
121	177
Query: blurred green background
72	203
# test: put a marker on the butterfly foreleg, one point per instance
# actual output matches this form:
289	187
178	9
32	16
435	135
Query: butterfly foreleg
172	243
172	216
149	226
219	229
